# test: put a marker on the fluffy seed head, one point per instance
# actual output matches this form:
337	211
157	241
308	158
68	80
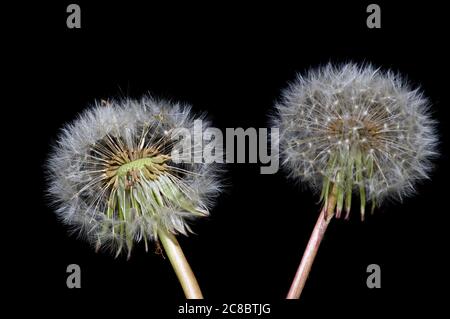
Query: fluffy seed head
354	128
113	178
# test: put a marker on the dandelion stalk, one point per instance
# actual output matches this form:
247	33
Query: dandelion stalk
180	266
310	252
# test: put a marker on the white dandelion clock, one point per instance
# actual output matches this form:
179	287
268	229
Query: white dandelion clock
350	129
114	178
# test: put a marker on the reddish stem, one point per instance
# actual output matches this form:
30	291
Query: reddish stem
308	256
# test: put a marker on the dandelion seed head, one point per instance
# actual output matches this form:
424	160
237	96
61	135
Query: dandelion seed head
114	180
370	133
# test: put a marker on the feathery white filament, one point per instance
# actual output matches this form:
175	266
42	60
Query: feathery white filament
358	128
112	177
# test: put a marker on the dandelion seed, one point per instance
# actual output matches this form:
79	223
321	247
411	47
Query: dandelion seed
113	179
389	136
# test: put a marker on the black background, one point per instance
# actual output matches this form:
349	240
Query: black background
231	61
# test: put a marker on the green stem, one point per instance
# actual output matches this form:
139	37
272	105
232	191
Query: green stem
180	265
